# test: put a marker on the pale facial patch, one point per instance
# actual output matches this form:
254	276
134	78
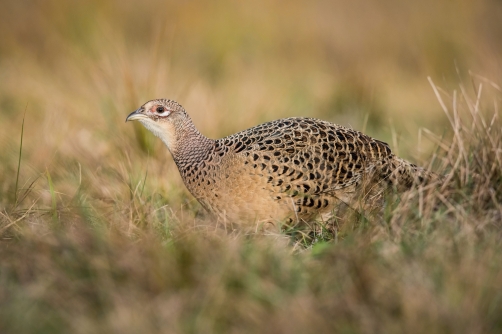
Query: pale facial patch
155	124
161	130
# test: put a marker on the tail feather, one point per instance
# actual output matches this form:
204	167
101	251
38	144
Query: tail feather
404	175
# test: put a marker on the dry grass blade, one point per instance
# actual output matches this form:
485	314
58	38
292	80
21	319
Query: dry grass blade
54	211
14	222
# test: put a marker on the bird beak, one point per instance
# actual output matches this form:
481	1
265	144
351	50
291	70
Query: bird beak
135	115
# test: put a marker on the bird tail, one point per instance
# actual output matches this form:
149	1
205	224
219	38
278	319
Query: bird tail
404	175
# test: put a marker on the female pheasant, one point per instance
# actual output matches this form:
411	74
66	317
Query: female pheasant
292	168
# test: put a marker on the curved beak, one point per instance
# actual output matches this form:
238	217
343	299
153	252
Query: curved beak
135	115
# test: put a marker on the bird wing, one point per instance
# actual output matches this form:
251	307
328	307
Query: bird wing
307	156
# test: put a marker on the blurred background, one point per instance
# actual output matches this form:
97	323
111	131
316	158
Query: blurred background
77	68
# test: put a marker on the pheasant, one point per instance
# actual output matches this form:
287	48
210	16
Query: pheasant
291	169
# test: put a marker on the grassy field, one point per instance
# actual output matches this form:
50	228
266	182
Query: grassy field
99	235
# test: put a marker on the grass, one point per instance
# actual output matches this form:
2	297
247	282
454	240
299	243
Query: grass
99	235
19	162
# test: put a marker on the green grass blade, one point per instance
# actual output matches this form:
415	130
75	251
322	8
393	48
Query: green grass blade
19	160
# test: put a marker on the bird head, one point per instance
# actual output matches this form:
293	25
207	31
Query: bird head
162	117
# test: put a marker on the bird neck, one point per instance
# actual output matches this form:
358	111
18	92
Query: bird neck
190	145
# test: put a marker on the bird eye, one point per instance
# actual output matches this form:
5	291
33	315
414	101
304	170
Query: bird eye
160	110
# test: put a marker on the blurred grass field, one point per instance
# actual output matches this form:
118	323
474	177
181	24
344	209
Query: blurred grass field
99	235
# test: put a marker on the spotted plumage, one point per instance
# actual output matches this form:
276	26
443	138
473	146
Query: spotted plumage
292	168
